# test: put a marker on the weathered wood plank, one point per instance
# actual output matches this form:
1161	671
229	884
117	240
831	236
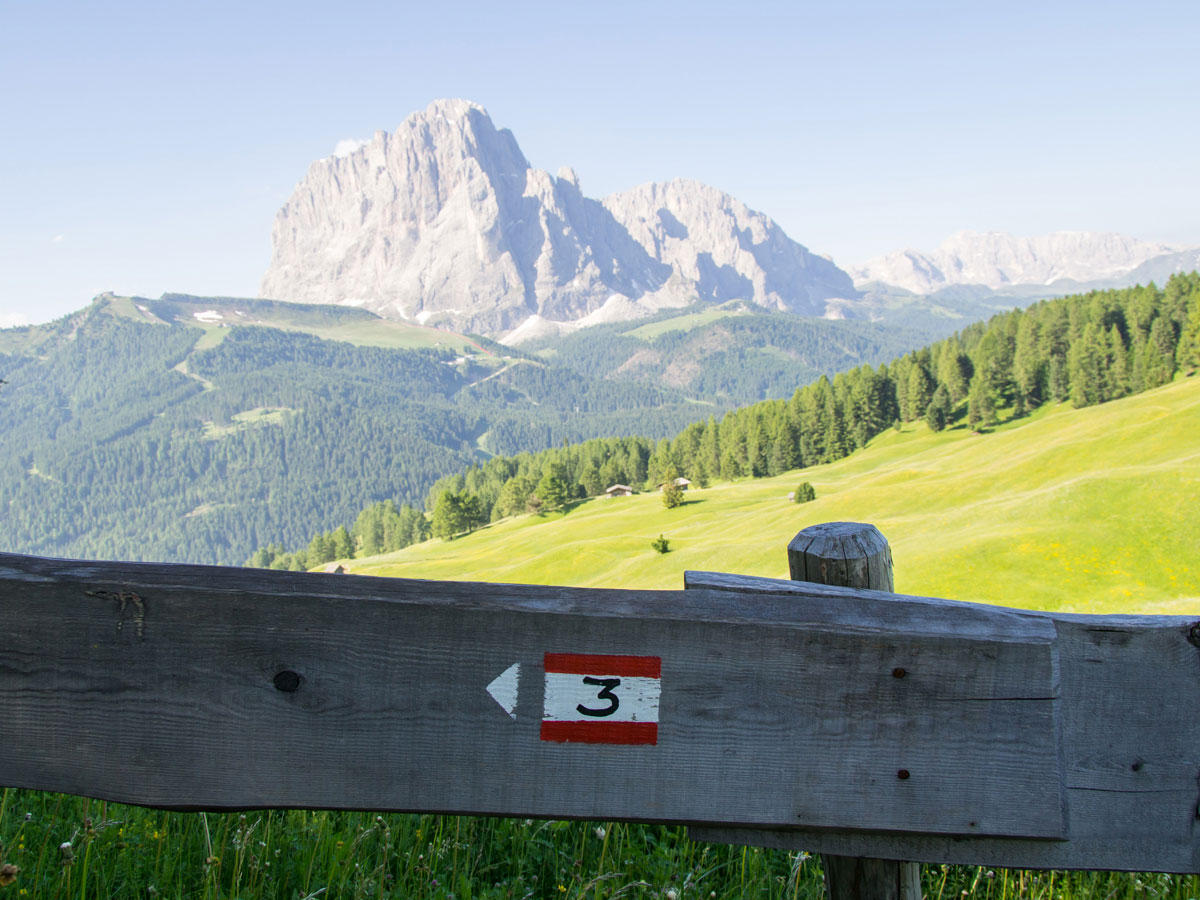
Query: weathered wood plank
1130	695
196	687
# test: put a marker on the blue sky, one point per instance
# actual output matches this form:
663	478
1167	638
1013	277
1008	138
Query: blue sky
146	147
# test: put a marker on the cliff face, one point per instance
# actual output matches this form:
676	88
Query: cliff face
719	249
444	221
998	260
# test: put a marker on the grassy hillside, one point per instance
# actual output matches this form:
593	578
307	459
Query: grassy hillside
1094	510
334	323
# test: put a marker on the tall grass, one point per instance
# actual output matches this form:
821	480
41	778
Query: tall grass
70	847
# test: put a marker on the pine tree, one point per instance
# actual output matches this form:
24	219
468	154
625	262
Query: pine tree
1117	380
320	549
343	544
610	473
901	371
993	359
733	450
367	531
447	515
553	490
981	405
710	450
589	477
785	448
1162	336
1189	340
1086	363
1059	381
921	388
660	461
757	448
1155	369
514	495
1029	369
835	430
672	495
414	527
954	371
937	414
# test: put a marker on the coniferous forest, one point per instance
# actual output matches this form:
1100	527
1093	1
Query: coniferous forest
1083	350
139	429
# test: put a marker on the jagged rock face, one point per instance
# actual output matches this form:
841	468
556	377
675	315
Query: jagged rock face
998	260
719	249
445	221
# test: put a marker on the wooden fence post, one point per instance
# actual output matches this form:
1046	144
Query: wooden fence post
852	554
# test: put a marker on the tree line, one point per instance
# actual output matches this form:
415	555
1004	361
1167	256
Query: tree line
1083	349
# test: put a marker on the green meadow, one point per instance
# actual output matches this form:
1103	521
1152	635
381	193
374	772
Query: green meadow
685	322
351	325
1084	510
1088	510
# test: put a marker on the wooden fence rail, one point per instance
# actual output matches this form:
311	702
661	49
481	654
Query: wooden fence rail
843	720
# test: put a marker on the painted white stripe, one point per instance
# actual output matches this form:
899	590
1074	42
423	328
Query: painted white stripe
637	699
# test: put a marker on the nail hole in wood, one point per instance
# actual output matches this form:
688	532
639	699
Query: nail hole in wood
898	673
902	774
287	681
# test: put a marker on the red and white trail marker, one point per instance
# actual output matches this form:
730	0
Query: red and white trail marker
591	698
596	698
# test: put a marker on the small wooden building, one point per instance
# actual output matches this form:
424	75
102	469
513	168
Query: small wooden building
682	483
619	490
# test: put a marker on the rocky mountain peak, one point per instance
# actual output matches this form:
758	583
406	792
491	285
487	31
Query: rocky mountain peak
444	220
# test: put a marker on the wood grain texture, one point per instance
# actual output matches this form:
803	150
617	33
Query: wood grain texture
847	554
198	687
866	878
1130	744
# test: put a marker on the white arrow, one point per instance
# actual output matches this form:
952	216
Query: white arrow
504	689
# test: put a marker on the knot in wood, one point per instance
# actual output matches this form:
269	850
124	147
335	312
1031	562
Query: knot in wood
127	599
287	681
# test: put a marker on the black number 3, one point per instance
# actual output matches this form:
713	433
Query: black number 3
605	694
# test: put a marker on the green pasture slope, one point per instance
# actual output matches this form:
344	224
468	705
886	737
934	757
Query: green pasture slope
332	323
1092	509
1087	510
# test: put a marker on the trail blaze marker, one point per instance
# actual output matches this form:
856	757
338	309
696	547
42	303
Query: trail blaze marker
504	689
601	699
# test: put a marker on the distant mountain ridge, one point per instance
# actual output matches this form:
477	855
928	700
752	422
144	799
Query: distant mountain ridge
445	222
1002	261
